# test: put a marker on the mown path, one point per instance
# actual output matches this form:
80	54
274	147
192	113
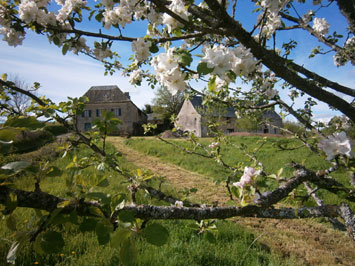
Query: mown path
310	242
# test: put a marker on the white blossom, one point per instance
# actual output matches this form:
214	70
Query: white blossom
219	58
336	144
11	36
178	7
141	48
247	177
67	8
135	77
320	25
243	61
101	53
214	145
179	204
168	71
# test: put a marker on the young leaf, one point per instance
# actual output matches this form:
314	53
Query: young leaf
156	234
203	69
103	231
128	252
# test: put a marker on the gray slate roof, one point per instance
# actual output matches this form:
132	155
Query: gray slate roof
196	101
106	94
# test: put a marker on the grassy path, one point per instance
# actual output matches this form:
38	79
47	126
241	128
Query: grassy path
310	242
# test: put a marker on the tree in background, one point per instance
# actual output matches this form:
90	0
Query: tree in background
16	103
167	104
212	43
147	109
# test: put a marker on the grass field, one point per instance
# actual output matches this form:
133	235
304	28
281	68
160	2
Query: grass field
270	155
235	246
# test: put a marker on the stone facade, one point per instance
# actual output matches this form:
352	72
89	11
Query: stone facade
112	99
192	118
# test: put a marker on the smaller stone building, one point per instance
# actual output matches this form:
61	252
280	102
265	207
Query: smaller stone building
192	117
112	99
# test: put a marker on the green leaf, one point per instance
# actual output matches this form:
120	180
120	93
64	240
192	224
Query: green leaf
5	146
203	69
52	242
54	171
11	222
119	236
89	224
126	216
183	57
65	49
118	201
103	182
156	234
99	17
16	166
63	204
103	231
96	211
103	197
128	252
154	48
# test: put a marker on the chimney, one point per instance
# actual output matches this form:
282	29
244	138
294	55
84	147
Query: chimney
127	95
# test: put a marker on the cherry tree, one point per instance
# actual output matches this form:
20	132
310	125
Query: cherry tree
205	42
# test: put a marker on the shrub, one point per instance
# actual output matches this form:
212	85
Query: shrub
25	140
56	130
29	122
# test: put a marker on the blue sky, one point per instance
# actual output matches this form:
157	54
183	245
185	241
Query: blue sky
71	75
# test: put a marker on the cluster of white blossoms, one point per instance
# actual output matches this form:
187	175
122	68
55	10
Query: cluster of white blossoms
320	25
219	58
243	61
336	144
273	19
179	204
79	45
101	52
141	49
32	11
135	77
247	177
122	14
240	60
168	72
11	36
268	85
178	7
213	145
68	6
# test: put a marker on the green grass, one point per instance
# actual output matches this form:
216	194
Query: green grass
270	155
235	246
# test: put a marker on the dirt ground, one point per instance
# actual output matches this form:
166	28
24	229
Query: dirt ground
310	242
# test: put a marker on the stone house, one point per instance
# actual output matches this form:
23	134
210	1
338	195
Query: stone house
111	98
192	117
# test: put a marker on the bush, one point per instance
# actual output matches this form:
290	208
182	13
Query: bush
56	130
25	140
29	122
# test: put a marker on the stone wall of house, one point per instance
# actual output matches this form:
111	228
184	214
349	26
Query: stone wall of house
189	119
132	118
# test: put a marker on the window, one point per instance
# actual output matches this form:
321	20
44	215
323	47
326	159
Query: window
89	112
83	114
118	112
87	126
98	112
